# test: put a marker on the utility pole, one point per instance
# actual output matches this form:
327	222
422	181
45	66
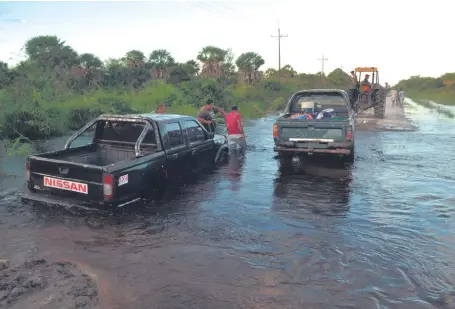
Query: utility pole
279	36
323	60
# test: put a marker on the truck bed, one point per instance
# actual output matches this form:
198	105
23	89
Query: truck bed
56	173
98	154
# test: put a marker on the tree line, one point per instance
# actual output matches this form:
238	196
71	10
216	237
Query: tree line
52	57
55	89
439	89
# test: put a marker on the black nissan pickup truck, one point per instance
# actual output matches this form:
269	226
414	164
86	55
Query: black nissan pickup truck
316	121
125	158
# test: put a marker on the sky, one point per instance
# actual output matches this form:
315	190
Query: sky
402	39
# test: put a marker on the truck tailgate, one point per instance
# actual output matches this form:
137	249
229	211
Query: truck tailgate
308	131
57	177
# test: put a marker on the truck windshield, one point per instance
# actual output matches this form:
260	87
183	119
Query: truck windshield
121	131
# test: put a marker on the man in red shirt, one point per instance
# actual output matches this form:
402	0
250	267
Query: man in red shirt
236	135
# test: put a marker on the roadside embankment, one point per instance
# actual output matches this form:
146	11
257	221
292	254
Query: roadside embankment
394	120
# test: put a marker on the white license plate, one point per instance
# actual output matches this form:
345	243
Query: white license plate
65	185
318	140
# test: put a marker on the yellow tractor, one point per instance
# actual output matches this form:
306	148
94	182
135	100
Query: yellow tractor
368	93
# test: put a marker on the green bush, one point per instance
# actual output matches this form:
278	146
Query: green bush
440	90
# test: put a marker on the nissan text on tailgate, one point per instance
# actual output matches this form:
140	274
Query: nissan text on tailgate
125	158
318	121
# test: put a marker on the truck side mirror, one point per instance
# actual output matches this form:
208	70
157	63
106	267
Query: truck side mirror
210	135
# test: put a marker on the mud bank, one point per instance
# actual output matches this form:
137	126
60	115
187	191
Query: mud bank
43	285
394	120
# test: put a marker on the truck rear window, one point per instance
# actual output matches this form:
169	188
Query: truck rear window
126	132
322	101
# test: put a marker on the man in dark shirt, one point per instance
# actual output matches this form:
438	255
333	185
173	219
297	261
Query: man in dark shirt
366	79
207	113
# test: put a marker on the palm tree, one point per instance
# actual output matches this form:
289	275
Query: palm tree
227	69
191	67
249	64
38	47
211	58
50	52
90	61
161	60
134	59
90	68
131	69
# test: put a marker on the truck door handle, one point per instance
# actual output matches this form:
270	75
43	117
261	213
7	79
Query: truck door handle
193	151
176	155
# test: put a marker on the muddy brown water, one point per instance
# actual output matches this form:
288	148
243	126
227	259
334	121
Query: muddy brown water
377	234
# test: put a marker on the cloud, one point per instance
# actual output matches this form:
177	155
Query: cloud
14	20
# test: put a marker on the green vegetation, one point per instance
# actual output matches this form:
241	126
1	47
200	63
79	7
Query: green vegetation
435	107
56	89
440	89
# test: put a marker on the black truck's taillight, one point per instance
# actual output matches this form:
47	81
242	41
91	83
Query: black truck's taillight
108	186
348	132
27	171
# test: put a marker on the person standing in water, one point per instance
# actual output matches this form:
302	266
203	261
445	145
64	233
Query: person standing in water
234	125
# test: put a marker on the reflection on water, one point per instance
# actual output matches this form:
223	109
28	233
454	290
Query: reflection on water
234	170
321	187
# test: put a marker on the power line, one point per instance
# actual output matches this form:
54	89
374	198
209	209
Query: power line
279	36
323	60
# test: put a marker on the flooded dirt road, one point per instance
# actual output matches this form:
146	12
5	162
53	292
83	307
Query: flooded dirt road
378	234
